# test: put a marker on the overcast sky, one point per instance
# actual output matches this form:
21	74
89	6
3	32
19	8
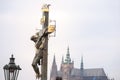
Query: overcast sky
89	27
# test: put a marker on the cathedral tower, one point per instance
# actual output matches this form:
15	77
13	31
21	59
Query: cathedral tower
53	70
66	66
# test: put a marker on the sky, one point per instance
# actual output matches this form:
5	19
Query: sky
89	27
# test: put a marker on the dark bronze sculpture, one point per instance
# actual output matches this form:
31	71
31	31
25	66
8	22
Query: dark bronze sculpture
39	39
41	44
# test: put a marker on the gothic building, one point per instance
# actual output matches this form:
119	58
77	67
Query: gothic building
69	72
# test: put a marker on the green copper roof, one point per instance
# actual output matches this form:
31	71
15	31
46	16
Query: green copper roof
68	59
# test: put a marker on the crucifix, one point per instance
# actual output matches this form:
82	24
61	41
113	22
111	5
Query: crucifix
41	44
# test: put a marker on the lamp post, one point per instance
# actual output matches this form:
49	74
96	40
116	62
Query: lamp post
11	70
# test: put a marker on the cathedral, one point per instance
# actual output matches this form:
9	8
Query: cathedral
69	72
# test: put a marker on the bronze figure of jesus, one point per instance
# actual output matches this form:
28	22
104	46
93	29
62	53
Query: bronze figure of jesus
39	39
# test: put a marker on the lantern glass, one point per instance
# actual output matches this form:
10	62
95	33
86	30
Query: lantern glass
12	74
6	74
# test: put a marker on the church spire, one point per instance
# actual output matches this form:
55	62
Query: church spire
68	59
82	68
82	63
53	70
54	61
62	59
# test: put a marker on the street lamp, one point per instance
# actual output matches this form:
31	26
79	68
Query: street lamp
11	70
